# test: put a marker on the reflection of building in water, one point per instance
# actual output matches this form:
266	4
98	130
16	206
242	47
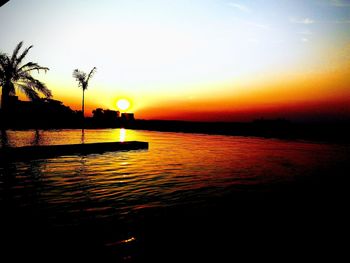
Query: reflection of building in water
128	116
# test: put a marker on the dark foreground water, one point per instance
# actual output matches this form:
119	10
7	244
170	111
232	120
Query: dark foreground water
188	197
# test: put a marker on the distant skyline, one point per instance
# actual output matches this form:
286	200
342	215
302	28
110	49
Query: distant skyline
227	60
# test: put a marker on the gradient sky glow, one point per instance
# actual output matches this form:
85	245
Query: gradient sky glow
192	59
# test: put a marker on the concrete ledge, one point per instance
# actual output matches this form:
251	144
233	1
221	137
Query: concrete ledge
48	151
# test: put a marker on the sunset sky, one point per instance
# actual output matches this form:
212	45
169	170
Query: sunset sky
227	60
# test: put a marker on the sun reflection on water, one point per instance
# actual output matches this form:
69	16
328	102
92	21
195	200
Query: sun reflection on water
122	135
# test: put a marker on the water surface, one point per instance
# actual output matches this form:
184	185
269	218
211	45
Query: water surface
116	192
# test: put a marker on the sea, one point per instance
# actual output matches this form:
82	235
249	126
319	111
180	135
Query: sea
188	197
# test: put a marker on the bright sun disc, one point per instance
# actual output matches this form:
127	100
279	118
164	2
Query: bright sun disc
123	104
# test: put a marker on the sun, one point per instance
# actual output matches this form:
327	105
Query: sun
123	104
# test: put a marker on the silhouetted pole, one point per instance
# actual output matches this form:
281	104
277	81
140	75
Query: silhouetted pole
82	136
83	109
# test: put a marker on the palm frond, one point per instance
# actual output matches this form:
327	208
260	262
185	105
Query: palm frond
15	75
2	59
41	87
28	91
83	78
80	76
4	62
30	66
35	84
92	72
22	56
15	52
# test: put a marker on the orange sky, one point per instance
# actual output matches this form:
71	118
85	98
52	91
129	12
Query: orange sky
227	60
297	97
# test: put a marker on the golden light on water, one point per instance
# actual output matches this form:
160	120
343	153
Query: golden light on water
123	104
122	135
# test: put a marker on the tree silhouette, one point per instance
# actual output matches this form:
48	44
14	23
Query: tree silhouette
83	80
14	75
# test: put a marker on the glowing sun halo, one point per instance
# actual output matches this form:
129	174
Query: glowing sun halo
123	104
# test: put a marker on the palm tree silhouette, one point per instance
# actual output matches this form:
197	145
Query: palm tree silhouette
14	75
83	80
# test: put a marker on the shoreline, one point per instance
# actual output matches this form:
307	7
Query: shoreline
272	129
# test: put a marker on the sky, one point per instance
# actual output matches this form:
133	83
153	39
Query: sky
202	60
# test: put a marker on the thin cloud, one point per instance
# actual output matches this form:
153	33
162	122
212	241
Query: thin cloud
240	7
305	21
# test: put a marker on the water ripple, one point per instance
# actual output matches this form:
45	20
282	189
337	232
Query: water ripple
177	169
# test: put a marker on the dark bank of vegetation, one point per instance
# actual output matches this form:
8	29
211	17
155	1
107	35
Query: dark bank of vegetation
322	132
53	114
